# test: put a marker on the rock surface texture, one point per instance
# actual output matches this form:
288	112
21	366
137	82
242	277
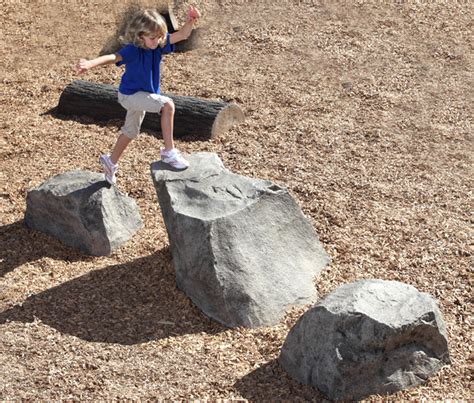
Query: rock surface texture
83	211
242	249
368	337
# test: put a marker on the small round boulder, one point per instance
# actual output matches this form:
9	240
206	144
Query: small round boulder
368	337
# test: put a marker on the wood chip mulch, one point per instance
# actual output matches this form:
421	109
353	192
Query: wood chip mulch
363	110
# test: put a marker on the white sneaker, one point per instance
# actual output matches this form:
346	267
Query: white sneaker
174	158
109	168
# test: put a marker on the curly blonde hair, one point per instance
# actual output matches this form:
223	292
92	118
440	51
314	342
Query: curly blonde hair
143	22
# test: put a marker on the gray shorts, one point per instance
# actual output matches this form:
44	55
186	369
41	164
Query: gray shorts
137	105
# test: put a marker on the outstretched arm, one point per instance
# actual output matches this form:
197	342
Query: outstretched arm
185	31
83	65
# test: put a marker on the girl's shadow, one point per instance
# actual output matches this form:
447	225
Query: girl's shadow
127	304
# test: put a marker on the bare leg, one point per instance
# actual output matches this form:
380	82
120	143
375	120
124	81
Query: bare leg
167	122
121	144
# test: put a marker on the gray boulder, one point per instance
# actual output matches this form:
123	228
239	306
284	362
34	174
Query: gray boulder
83	211
242	249
368	337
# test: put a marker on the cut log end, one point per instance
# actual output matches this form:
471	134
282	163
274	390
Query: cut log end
227	118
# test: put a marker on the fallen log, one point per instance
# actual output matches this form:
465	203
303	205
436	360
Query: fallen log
193	116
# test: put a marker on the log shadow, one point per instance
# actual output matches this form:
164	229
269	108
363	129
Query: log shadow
21	245
116	124
127	304
271	383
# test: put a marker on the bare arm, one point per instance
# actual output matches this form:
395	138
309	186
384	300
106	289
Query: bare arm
83	65
187	28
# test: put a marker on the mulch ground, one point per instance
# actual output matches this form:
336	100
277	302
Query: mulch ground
361	109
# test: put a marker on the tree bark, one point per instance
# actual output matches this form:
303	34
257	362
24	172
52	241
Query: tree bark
198	117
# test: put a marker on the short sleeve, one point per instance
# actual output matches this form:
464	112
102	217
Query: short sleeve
168	48
129	53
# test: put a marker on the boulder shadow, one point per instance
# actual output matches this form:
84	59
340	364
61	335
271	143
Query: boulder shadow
127	304
21	245
271	383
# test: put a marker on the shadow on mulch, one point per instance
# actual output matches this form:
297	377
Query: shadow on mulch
116	124
271	383
130	303
21	245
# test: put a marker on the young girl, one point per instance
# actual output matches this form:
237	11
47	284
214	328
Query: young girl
146	39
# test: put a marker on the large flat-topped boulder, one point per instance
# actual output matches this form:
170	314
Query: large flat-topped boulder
365	338
83	211
242	249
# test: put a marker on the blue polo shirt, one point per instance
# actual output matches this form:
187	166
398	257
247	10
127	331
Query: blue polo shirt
142	68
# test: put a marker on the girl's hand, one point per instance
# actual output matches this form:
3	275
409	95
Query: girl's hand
193	14
82	66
